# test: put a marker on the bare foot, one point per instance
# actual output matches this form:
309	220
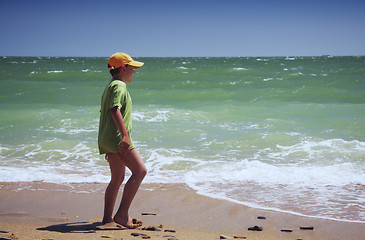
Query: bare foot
110	225
126	222
106	221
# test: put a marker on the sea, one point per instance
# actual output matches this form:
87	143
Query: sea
278	133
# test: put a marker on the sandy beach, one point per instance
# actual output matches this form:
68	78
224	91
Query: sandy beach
38	210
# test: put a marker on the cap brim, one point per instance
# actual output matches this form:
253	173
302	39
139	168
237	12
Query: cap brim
136	64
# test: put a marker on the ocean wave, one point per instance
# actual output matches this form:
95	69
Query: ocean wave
54	175
332	192
169	165
256	182
325	152
158	115
52	161
338	174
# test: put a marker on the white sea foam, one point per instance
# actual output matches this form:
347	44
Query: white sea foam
319	172
156	116
239	68
174	164
55	71
47	162
263	173
258	184
164	165
278	181
182	68
47	174
2	149
324	152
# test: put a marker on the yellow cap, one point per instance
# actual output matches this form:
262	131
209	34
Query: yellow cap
119	59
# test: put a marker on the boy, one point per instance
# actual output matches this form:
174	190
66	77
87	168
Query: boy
115	141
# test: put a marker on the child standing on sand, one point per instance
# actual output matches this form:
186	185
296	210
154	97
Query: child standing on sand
115	141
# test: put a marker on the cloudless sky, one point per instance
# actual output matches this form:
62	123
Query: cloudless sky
156	28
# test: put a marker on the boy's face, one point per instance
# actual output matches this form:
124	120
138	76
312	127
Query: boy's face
127	73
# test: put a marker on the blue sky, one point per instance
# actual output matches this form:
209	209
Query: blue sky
182	28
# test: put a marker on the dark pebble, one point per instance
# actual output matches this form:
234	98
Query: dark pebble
150	228
255	228
306	228
286	230
4	231
138	234
169	231
148	213
261	217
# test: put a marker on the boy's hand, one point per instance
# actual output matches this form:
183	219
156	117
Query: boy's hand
124	146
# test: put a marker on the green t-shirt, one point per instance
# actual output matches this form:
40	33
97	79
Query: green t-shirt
114	95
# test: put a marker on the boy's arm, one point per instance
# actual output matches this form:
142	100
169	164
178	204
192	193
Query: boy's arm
118	120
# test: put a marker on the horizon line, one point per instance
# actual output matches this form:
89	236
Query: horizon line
323	55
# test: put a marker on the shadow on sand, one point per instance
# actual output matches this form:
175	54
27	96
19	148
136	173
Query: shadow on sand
79	227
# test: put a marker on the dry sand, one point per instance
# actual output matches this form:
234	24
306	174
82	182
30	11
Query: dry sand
37	210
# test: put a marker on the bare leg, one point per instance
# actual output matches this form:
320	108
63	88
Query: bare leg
117	169
134	162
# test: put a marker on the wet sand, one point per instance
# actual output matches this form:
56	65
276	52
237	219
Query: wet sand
38	210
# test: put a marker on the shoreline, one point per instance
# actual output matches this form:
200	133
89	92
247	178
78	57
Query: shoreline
281	211
39	210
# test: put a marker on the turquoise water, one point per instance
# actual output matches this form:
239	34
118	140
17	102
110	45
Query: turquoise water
281	133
